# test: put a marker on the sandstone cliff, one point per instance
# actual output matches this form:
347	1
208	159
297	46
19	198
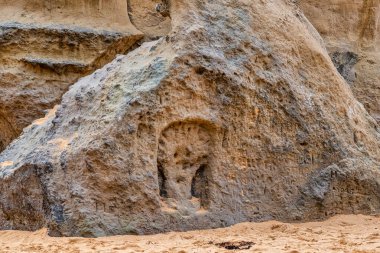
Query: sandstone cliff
238	114
45	46
351	32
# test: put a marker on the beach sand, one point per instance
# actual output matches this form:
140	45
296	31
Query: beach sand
348	233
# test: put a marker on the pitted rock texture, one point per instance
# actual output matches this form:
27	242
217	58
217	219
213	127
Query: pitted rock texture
46	46
238	114
151	17
184	150
351	31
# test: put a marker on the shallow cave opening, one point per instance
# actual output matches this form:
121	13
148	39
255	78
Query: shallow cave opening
199	185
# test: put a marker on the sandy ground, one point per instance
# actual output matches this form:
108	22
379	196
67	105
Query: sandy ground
354	233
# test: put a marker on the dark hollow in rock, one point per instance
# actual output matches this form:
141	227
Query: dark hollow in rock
345	63
162	182
199	185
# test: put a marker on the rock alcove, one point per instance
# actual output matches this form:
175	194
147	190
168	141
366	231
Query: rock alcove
183	166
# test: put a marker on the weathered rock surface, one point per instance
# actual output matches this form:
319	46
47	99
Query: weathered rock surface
45	46
146	16
237	115
351	31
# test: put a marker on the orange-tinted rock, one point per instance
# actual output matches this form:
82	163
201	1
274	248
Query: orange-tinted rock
45	46
351	33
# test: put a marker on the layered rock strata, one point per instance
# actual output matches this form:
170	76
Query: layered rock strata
45	46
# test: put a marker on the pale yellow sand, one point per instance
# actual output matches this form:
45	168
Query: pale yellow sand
353	233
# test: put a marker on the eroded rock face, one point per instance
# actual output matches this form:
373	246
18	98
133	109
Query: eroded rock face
351	33
150	17
183	158
238	114
45	46
92	14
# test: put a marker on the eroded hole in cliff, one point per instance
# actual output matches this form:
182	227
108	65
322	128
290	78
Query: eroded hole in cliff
345	64
199	186
164	8
184	153
162	182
